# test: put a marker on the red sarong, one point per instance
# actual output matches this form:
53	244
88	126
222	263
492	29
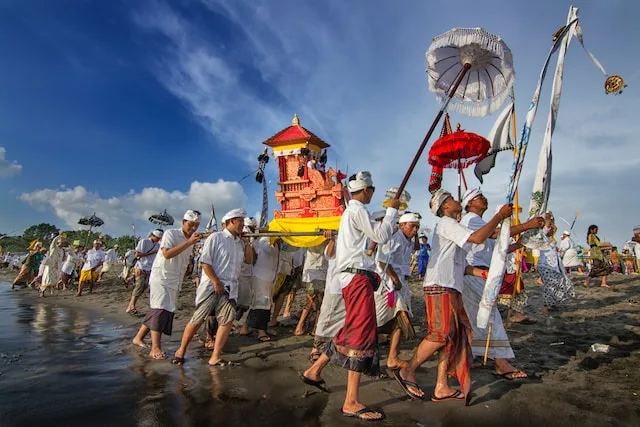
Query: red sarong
508	282
449	324
355	347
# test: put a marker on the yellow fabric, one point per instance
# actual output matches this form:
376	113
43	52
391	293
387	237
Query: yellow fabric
279	282
88	276
304	225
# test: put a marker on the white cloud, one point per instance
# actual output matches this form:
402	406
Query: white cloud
355	75
8	168
119	212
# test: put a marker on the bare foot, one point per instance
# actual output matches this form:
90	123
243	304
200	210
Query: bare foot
139	343
298	332
604	285
157	354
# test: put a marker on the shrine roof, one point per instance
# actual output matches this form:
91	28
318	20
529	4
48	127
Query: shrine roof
295	133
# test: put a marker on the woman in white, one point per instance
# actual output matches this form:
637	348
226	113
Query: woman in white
569	253
52	264
263	282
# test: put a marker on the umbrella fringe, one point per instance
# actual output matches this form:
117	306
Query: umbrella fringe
476	109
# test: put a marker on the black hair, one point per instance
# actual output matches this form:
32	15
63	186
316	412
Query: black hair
590	229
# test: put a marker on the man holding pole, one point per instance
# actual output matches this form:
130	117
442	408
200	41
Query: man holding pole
449	329
475	204
355	347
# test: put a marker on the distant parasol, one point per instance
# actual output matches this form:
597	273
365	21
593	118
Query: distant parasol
162	219
91	221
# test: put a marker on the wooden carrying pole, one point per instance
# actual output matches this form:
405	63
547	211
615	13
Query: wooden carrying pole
414	162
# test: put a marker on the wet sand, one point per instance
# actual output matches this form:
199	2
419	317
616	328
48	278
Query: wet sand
569	385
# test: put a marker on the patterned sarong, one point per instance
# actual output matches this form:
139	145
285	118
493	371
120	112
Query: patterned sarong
355	347
449	324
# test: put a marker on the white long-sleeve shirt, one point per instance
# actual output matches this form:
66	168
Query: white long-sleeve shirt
356	226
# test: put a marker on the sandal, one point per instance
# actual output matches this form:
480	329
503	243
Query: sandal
264	338
359	414
406	384
511	375
453	396
160	356
319	384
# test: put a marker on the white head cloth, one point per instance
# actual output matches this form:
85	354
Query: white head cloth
437	199
568	233
159	233
362	180
378	215
469	195
250	222
234	213
410	217
191	215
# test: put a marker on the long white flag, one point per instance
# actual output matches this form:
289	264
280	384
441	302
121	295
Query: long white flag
499	256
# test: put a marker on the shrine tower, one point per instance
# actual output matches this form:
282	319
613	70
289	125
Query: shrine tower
306	189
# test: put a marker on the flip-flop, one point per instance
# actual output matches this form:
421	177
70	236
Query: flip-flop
160	356
359	414
454	396
223	362
319	384
133	312
511	373
177	360
406	384
264	338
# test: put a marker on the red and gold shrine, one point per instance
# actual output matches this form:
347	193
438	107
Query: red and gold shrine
307	190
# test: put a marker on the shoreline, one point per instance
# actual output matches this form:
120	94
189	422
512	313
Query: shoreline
569	383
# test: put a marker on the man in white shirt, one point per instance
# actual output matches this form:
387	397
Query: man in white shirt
165	281
475	204
393	298
146	251
449	329
246	278
93	260
355	347
222	256
265	269
110	258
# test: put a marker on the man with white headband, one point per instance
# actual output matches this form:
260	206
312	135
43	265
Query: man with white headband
245	280
165	281
449	330
221	261
355	347
146	251
393	298
89	272
475	204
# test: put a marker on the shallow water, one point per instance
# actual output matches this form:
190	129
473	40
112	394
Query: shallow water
67	367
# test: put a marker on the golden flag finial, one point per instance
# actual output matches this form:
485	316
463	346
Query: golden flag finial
296	120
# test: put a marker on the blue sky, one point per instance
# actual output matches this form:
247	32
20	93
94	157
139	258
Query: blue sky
127	108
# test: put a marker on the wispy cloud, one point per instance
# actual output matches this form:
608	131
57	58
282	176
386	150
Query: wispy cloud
119	212
7	168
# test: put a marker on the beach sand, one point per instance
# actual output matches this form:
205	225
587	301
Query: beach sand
569	384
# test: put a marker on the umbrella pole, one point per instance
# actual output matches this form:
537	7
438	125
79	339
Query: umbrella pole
86	243
413	164
515	221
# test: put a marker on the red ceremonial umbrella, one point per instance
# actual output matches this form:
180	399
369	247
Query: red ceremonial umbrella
455	150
